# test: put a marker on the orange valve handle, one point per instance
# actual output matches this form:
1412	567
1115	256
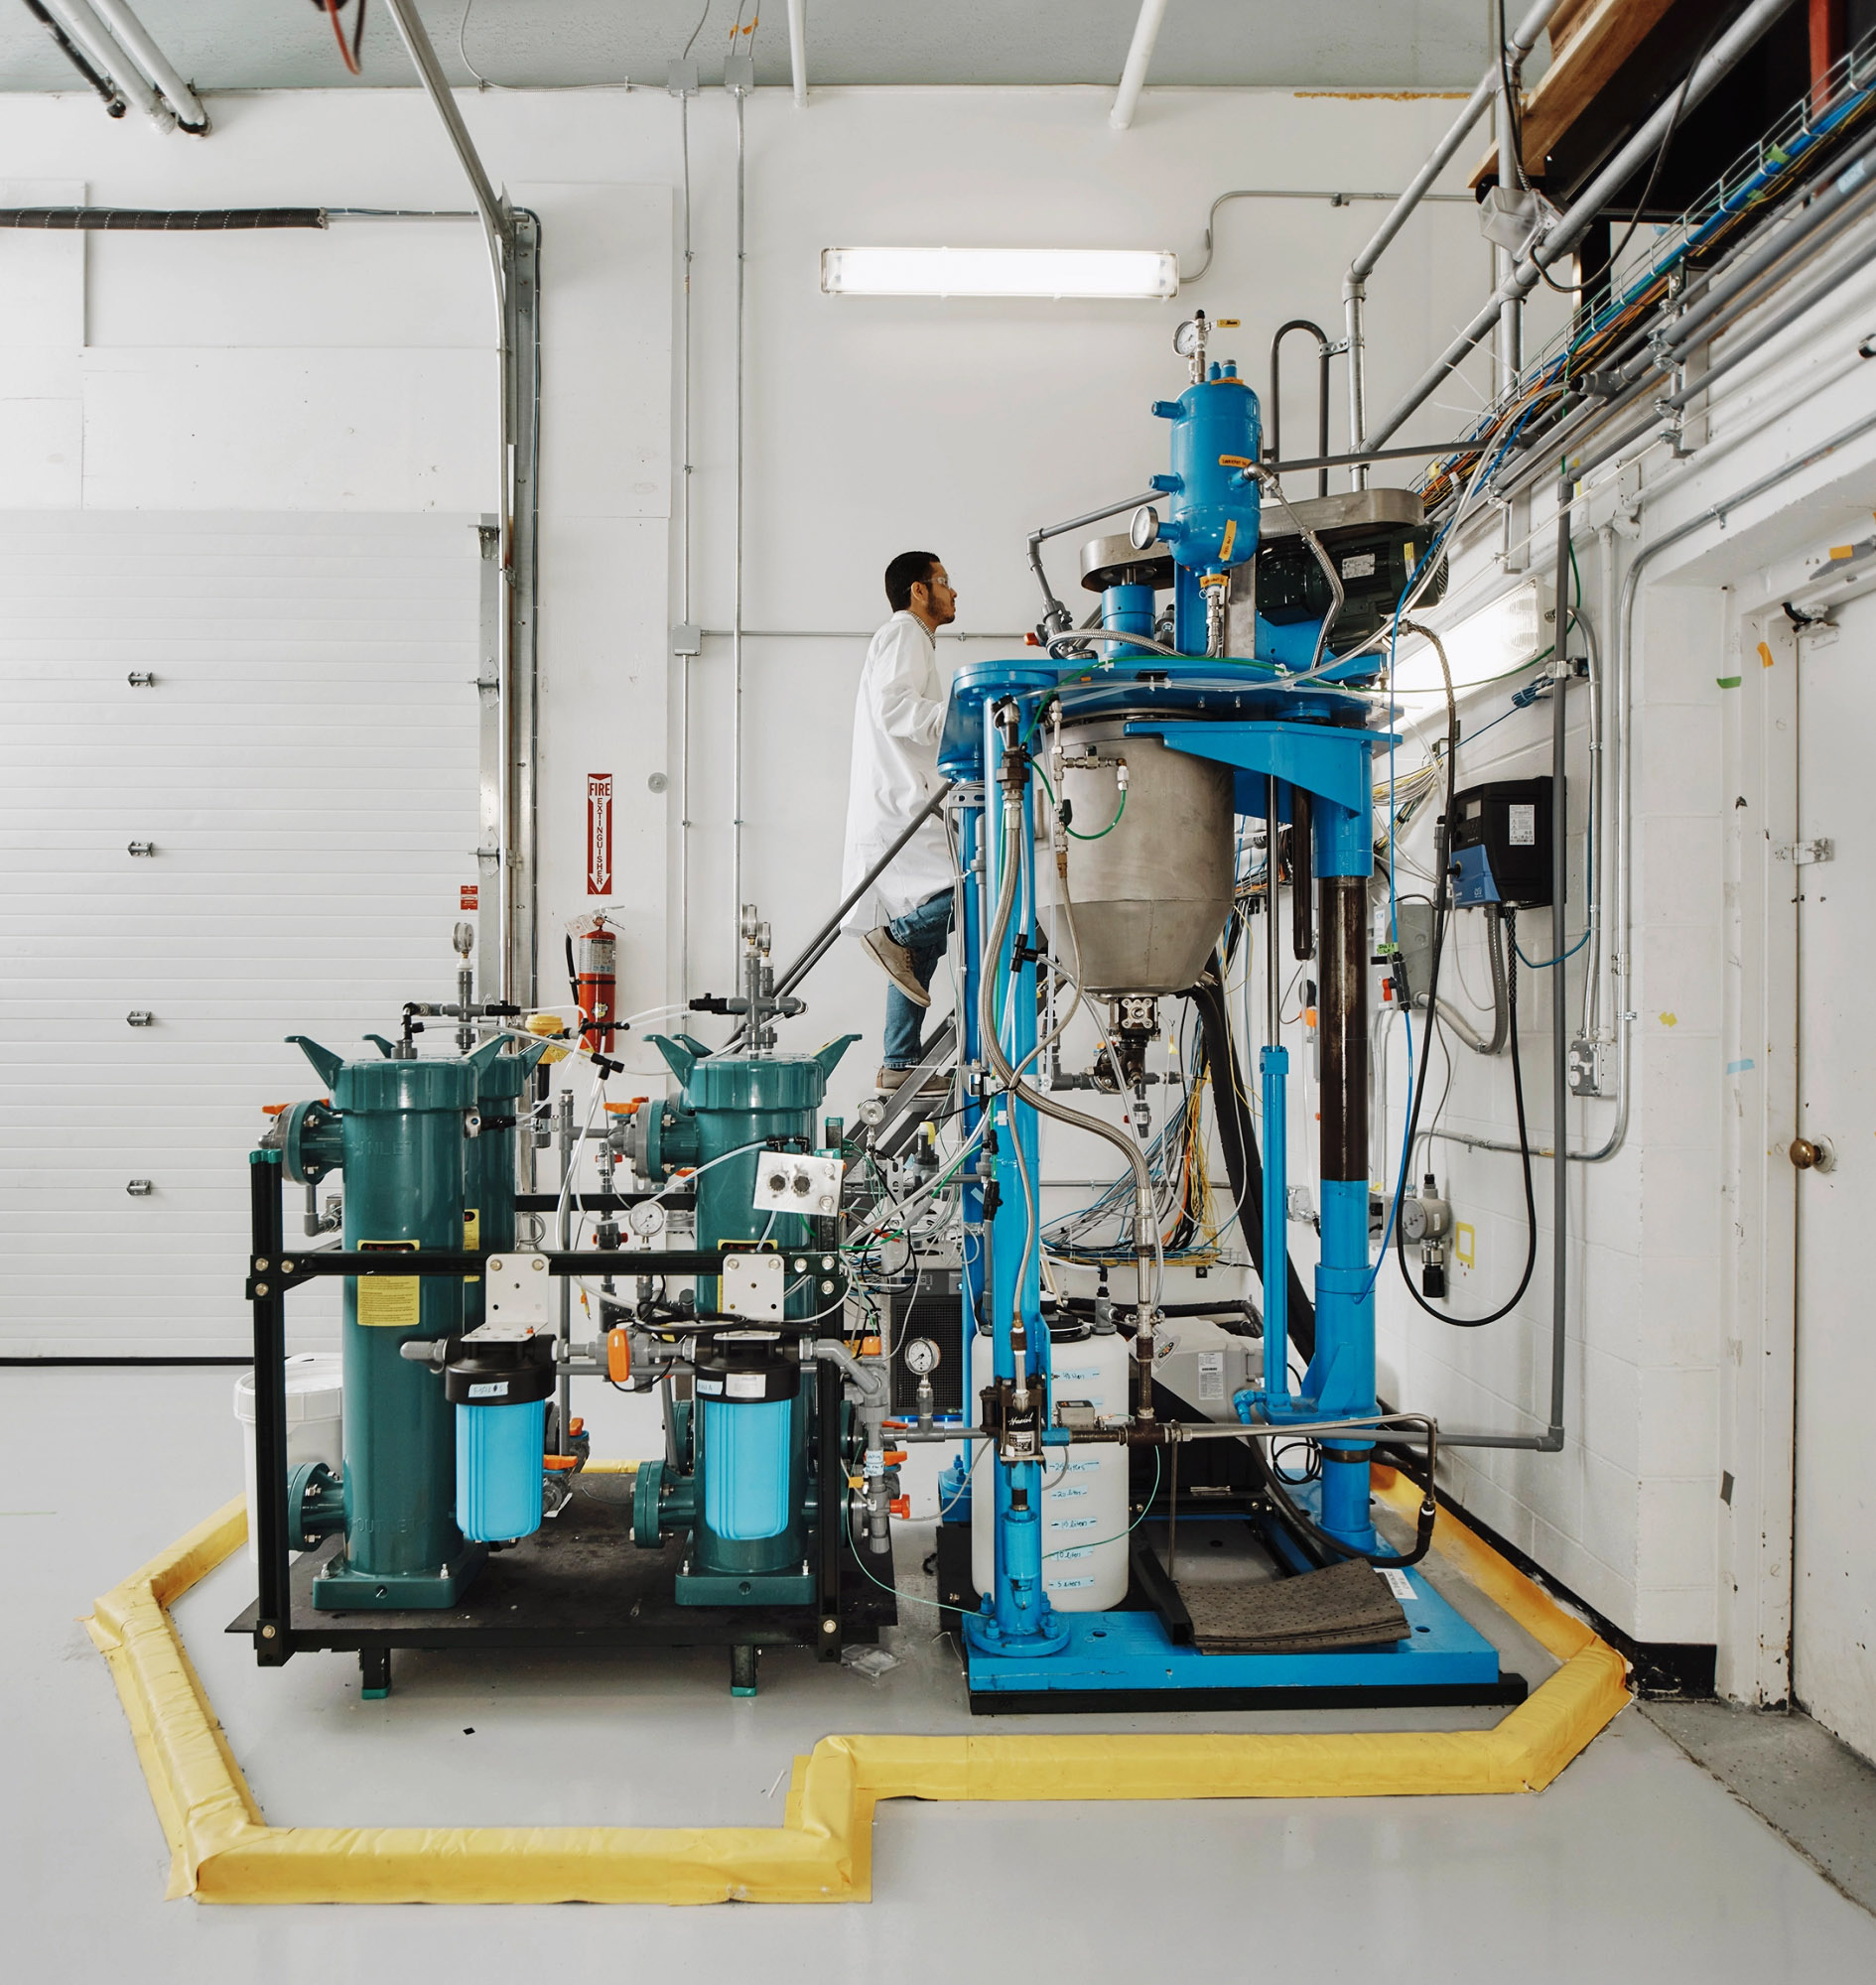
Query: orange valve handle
618	1355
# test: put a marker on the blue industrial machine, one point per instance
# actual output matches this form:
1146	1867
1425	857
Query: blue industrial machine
1178	730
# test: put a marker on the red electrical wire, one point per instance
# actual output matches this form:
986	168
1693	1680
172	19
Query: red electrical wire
348	55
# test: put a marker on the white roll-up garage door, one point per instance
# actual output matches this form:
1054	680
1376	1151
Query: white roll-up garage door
304	768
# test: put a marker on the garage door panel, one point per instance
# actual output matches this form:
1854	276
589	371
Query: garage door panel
307	767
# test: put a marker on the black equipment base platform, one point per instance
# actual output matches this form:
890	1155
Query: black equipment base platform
581	1583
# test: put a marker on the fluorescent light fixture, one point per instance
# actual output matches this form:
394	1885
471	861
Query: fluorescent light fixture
1000	272
1479	645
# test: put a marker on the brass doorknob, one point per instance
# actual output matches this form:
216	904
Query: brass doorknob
1810	1153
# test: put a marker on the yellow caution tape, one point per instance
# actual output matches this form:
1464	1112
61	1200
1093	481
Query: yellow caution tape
223	1851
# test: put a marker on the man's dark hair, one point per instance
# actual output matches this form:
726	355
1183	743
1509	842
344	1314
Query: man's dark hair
909	570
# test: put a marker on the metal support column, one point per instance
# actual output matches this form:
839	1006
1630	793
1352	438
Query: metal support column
1341	1379
272	1634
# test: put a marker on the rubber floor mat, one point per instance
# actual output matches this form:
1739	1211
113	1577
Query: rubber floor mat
1347	1606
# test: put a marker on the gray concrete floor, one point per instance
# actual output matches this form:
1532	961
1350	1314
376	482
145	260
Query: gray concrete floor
1635	1859
1796	1775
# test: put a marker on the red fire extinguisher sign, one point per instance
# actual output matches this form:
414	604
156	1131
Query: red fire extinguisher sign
599	834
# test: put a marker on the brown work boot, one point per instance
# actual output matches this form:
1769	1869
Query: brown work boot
896	962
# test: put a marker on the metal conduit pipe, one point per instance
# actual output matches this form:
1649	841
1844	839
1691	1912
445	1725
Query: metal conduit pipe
1850	197
1324	352
498	235
684	570
735	633
1523	40
107	91
142	50
1355	284
1595	416
1571	226
94	39
1811	294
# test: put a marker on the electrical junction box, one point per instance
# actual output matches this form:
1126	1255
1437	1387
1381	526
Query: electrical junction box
786	1182
1413	931
1500	837
518	1290
752	1286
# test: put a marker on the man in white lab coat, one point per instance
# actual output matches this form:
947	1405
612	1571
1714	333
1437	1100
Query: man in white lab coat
897	716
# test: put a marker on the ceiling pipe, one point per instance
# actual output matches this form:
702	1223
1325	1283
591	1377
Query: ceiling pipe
1571	225
106	90
108	59
798	50
1152	13
142	50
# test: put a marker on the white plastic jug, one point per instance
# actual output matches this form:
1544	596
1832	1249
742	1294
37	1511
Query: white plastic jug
1085	1516
314	1402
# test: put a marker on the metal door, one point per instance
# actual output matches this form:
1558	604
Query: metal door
1833	875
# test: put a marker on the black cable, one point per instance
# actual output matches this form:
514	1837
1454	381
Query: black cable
1721	16
1442	909
1515	116
1312	1532
1238	1139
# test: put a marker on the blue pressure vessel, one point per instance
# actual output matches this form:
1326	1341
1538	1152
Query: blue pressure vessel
1213	520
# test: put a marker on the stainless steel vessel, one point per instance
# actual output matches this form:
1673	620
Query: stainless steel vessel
1150	898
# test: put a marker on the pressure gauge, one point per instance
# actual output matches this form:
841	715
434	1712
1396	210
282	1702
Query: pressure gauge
1413	1218
646	1218
921	1357
1189	340
1143	531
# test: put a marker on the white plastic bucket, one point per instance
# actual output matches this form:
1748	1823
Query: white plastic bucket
315	1399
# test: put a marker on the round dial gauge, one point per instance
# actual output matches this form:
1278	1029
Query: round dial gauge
1189	338
921	1357
646	1218
1413	1218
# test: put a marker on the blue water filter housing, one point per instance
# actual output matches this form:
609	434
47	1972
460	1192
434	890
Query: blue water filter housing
499	1383
498	1452
748	1459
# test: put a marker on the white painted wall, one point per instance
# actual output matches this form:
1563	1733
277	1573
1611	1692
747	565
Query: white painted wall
1679	1366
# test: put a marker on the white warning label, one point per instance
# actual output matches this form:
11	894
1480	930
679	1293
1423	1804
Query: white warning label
1523	827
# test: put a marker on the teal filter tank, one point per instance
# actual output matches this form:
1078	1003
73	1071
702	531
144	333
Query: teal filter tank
488	1157
740	1485
396	1128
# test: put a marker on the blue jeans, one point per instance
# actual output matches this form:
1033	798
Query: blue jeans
922	931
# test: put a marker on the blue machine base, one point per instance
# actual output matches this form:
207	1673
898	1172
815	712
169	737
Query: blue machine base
1127	1660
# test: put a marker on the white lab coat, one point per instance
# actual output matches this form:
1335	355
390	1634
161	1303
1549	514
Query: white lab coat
897	716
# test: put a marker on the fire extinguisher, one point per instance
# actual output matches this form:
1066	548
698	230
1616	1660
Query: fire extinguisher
592	962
